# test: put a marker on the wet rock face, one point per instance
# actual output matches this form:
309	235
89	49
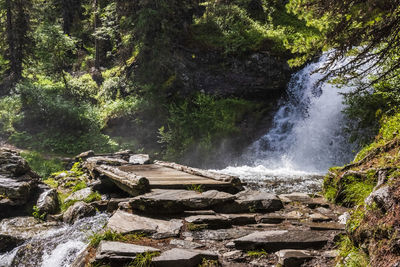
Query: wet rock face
77	211
48	202
17	182
256	76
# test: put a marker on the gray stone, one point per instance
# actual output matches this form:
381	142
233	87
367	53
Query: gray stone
293	258
185	244
48	202
124	223
183	257
176	201
381	197
80	260
24	227
18	182
90	162
79	195
139	159
111	250
218	235
77	211
297	197
293	215
252	201
275	240
85	155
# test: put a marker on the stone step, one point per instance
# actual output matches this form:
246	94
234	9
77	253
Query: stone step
125	223
293	258
183	258
118	251
275	240
177	201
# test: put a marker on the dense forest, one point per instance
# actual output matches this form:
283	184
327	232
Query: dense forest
164	76
197	81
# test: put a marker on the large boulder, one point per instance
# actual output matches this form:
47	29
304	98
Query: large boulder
79	195
18	182
77	211
48	202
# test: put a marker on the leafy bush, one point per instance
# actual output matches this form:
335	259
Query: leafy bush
42	166
10	113
200	122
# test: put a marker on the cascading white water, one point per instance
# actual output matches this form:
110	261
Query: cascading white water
56	247
306	137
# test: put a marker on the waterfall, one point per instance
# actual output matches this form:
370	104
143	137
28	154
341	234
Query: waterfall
306	138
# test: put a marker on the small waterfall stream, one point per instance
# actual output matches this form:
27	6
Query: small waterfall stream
56	247
306	138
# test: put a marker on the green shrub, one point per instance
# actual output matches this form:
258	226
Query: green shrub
10	114
200	122
143	259
96	238
42	166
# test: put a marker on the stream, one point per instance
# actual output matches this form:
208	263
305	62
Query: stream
306	139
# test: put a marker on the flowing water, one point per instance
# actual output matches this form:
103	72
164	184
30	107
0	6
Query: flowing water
306	138
56	247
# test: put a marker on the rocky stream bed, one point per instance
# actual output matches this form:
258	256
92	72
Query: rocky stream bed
172	227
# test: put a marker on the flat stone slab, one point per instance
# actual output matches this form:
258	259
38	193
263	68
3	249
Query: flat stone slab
176	201
327	226
125	223
252	201
297	197
111	250
293	258
218	235
275	240
183	257
24	227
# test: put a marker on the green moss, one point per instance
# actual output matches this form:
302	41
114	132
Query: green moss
350	255
257	253
51	182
